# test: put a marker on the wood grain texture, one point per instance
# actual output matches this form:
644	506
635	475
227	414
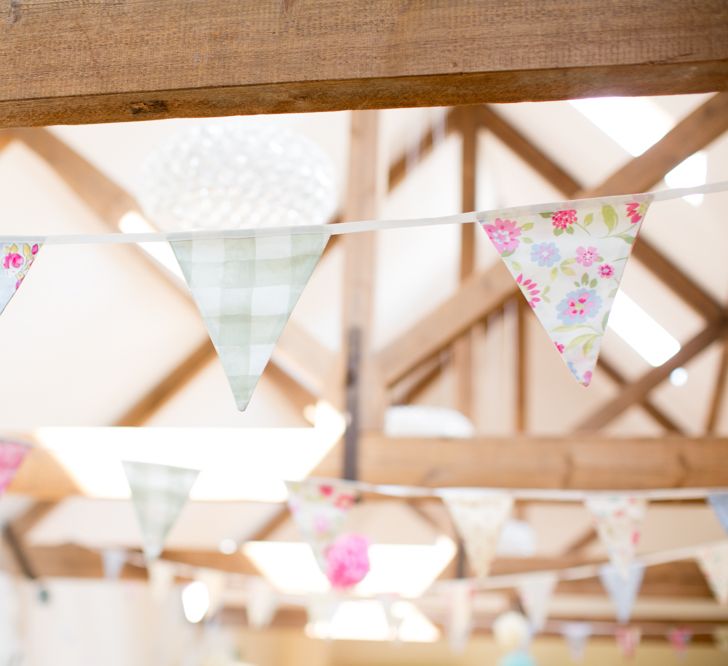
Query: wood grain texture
69	62
587	463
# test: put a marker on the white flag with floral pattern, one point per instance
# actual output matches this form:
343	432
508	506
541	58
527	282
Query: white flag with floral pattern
568	262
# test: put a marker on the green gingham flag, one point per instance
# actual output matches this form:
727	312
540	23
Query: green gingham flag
246	289
159	493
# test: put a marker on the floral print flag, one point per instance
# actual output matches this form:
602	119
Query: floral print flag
568	263
577	635
15	262
319	510
713	561
622	591
246	289
535	592
628	639
619	524
479	517
159	493
12	455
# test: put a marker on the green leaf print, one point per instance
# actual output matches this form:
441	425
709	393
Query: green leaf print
527	226
593	283
582	341
588	219
585	279
610	217
516	266
546	216
558	231
626	238
554	273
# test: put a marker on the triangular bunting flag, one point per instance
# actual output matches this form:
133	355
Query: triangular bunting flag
535	594
12	455
619	523
159	493
246	289
628	640
719	502
15	262
319	510
321	609
460	618
713	561
576	635
261	603
568	263
113	560
215	581
680	638
479	517
622	591
161	578
392	614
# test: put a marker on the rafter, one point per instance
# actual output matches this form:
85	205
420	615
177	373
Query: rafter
637	390
719	392
220	58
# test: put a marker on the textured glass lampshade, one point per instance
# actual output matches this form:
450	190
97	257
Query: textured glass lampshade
235	175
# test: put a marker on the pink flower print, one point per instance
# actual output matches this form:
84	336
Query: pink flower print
344	501
34	249
605	270
347	560
586	379
12	260
530	289
586	256
504	235
578	306
563	219
559	347
634	212
320	524
326	490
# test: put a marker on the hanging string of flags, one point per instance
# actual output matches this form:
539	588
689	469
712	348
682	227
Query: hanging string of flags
567	258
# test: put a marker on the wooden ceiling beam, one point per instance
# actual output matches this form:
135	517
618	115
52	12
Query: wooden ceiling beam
587	463
69	63
635	392
716	402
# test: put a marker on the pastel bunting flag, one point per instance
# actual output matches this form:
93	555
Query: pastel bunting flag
159	493
719	503
113	561
568	262
12	455
535	593
713	562
628	639
479	517
319	510
261	603
576	635
161	579
619	521
15	262
246	289
622	591
215	582
680	638
460	614
320	610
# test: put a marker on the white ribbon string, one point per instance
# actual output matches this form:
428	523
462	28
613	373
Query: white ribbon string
348	227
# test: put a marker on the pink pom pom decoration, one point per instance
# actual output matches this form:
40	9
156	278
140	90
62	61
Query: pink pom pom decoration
347	560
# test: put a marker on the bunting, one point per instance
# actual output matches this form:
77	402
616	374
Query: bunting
460	614
113	561
680	638
622	591
713	561
568	262
161	578
628	639
159	493
535	593
319	510
246	289
15	262
619	522
215	581
12	455
719	503
479	517
576	635
261	603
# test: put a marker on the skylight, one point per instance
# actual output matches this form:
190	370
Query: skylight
641	332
